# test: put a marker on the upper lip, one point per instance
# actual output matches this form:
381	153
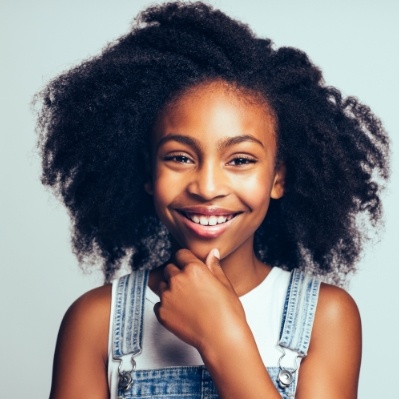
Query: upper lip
207	210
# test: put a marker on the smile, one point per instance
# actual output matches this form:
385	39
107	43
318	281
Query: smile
207	222
211	220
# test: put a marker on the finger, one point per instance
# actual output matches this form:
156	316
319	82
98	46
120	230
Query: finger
184	257
213	263
170	270
213	258
162	287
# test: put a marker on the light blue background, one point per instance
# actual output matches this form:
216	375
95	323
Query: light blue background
355	43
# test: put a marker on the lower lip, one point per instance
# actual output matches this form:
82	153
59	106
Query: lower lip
206	231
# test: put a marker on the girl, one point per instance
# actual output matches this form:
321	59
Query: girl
194	149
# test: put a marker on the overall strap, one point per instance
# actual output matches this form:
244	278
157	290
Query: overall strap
128	314
299	311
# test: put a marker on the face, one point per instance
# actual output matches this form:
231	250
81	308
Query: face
214	169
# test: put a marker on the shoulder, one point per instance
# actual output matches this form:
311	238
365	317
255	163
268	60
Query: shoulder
91	310
97	299
335	309
80	360
337	319
86	323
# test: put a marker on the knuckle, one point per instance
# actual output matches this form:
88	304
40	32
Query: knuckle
168	269
182	251
183	254
192	268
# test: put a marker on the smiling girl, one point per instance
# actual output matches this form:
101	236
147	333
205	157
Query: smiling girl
222	170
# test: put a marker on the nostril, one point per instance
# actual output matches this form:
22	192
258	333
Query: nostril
208	186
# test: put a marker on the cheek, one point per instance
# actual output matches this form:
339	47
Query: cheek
257	188
166	188
161	196
166	184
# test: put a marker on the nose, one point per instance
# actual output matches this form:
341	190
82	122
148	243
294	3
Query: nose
208	182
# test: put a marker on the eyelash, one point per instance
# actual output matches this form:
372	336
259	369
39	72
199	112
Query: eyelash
184	159
181	158
247	160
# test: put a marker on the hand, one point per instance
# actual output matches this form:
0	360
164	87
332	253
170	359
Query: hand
198	303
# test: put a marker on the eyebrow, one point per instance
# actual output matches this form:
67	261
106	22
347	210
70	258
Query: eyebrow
237	140
222	144
190	141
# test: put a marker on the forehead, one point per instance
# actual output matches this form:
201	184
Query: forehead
219	108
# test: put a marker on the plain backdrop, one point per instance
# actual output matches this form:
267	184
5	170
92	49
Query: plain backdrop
354	42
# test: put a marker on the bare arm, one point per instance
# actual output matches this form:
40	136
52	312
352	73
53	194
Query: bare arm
80	361
237	368
331	369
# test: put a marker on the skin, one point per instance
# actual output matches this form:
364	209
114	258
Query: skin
214	154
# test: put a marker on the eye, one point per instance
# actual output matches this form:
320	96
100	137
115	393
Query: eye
242	160
179	158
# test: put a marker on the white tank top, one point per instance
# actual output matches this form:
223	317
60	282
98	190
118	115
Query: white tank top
263	308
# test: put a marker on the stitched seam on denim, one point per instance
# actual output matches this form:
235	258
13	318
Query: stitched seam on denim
132	337
298	323
285	306
290	315
128	320
118	319
207	387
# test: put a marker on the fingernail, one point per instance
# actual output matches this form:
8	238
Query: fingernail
216	253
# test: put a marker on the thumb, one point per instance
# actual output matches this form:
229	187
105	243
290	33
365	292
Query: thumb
213	258
213	263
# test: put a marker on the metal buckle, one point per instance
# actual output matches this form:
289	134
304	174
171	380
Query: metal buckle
286	377
126	381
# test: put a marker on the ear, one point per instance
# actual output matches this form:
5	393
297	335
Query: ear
279	181
148	188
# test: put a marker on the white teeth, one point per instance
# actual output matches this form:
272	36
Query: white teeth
212	220
195	219
221	219
204	220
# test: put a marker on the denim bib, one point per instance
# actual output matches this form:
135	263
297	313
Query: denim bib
195	382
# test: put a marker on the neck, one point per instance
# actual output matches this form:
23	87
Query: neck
244	270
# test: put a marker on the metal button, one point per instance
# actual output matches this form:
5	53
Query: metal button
125	381
285	378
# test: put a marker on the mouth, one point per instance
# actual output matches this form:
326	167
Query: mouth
208	220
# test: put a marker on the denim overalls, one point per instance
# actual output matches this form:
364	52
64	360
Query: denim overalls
194	382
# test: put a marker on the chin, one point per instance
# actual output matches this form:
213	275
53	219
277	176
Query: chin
201	251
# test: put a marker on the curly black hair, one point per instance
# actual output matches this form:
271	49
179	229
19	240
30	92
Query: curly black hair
95	121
